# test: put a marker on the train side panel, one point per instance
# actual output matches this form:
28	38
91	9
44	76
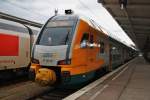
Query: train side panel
78	65
15	45
86	59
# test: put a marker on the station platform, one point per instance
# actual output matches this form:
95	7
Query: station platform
129	82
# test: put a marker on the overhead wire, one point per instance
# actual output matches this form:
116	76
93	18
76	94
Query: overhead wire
23	8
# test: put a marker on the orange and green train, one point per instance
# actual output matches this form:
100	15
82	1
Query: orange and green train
70	49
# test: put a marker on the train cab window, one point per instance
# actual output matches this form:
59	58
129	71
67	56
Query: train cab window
102	47
55	36
56	33
91	41
84	40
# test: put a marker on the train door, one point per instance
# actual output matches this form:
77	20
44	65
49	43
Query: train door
91	50
110	58
104	51
30	34
83	52
123	57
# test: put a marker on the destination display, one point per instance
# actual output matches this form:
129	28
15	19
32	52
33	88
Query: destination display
60	23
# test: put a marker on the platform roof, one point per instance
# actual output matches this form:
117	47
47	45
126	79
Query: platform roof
134	18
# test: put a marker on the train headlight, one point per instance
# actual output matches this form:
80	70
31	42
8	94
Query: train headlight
66	73
66	76
35	61
64	62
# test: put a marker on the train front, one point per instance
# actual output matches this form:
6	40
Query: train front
52	50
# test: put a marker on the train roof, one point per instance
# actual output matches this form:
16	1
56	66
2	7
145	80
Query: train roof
12	26
75	17
35	30
65	17
90	22
11	23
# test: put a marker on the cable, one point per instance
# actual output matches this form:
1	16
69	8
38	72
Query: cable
86	7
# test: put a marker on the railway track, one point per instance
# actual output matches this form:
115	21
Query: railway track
59	94
22	91
28	90
31	91
13	81
54	94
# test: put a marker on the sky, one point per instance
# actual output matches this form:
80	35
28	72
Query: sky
41	10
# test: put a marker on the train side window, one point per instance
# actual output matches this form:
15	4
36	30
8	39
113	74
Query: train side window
102	47
84	40
91	39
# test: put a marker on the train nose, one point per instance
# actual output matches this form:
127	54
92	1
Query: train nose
45	77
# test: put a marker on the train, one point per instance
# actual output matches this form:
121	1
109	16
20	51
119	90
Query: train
16	41
71	49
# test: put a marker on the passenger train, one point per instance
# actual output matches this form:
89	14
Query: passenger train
15	47
70	49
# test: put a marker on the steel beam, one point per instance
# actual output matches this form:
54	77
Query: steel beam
142	2
136	27
145	19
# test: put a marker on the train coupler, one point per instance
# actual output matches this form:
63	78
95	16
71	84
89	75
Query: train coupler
45	76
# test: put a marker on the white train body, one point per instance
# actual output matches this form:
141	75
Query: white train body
15	45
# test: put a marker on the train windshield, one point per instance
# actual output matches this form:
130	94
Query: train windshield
58	32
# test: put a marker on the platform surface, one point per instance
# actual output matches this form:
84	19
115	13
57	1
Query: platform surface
130	83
